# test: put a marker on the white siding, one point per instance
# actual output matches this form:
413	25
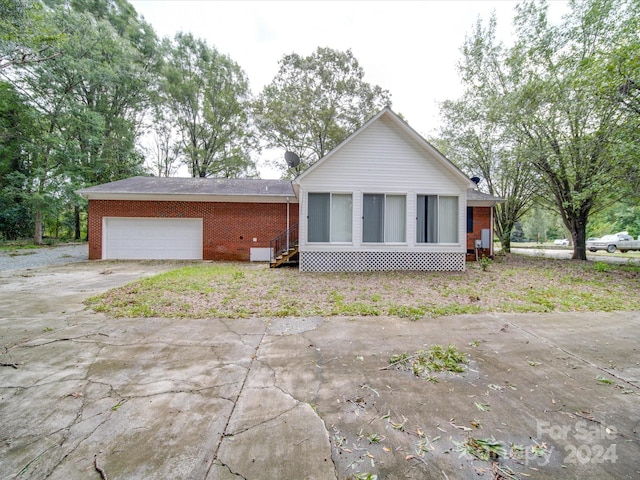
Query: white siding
383	158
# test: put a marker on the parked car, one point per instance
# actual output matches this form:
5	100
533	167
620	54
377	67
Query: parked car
561	241
618	241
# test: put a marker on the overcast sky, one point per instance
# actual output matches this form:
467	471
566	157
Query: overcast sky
410	48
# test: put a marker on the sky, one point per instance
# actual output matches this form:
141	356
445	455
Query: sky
410	48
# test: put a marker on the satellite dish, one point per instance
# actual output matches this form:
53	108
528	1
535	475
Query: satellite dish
292	159
475	180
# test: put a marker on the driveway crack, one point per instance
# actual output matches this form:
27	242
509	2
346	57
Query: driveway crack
574	355
225	432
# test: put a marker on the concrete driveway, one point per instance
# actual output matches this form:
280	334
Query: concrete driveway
84	396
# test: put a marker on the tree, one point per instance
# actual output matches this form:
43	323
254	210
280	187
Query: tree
25	36
563	118
551	93
163	151
517	234
314	103
208	95
478	142
16	124
90	102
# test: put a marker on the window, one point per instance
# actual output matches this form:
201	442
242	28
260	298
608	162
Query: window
329	217
469	219
437	219
384	218
341	217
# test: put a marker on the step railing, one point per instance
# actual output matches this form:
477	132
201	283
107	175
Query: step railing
283	243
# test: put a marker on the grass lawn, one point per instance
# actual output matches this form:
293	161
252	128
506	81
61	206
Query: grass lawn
513	283
21	245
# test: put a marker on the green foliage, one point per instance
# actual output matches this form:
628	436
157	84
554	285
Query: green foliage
208	94
481	448
16	128
85	105
484	262
601	267
621	216
562	100
478	142
25	36
425	362
542	224
314	103
517	234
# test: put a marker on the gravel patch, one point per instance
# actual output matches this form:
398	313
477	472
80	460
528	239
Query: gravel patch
24	258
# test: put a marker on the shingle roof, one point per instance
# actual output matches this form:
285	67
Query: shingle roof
477	195
194	186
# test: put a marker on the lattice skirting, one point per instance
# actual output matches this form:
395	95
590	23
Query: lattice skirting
380	261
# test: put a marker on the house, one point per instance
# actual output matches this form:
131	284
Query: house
384	199
188	218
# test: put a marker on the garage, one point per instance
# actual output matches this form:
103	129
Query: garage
152	238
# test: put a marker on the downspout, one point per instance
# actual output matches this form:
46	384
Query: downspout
287	224
492	229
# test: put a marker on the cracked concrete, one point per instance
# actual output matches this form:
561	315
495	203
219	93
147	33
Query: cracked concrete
306	398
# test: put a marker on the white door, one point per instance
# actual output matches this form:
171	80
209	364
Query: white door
152	238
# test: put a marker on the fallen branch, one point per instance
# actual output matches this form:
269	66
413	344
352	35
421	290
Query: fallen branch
12	365
100	470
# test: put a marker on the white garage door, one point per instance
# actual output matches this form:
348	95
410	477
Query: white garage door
152	238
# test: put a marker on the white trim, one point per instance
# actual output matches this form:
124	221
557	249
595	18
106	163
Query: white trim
160	197
306	217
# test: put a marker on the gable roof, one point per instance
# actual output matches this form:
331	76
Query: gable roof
404	126
192	189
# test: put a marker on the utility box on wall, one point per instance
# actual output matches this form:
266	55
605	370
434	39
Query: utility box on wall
260	254
486	238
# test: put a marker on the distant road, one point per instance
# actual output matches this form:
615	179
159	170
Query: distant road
564	254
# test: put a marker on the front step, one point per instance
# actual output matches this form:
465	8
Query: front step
285	258
284	247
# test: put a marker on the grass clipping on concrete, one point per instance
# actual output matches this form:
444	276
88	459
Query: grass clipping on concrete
514	283
424	363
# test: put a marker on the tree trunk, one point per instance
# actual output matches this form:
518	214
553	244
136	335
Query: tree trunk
76	211
37	237
504	227
505	241
578	229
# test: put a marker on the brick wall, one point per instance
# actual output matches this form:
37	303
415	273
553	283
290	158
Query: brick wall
481	219
228	228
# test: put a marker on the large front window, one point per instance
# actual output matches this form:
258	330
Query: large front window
329	217
437	219
384	218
